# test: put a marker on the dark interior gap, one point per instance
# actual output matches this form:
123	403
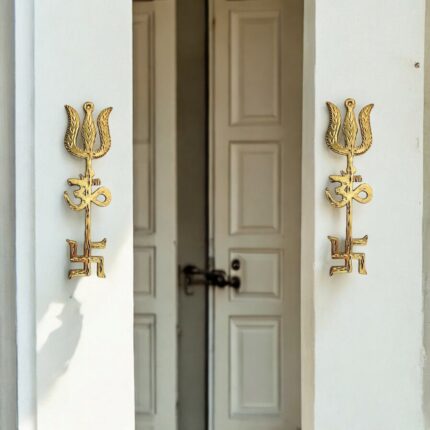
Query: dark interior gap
193	208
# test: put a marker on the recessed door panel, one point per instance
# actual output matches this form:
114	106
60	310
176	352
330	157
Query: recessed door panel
144	272
254	63
260	274
254	187
144	114
143	76
254	355
144	344
143	207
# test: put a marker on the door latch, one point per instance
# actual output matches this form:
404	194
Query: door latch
218	278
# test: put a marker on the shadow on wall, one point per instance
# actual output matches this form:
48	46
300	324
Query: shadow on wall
81	320
61	342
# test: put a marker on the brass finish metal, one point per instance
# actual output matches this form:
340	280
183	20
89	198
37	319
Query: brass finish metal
346	191
85	183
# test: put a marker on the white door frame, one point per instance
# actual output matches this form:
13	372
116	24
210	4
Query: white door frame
7	220
25	258
155	215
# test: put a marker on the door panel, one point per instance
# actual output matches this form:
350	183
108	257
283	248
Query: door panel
254	66
144	335
254	358
260	274
256	132
254	174
155	277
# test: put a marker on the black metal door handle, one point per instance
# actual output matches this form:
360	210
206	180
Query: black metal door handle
217	278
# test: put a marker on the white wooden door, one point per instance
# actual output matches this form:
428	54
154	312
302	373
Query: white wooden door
155	298
256	219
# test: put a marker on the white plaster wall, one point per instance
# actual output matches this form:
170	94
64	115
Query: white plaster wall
362	335
426	223
84	363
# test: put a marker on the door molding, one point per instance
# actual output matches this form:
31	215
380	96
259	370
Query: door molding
8	406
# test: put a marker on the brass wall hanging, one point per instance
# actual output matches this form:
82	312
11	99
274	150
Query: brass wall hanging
346	191
85	183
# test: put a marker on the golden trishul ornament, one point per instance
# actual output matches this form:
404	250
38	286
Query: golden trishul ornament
85	183
362	193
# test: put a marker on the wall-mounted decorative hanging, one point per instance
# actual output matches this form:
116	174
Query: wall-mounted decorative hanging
346	192
85	183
